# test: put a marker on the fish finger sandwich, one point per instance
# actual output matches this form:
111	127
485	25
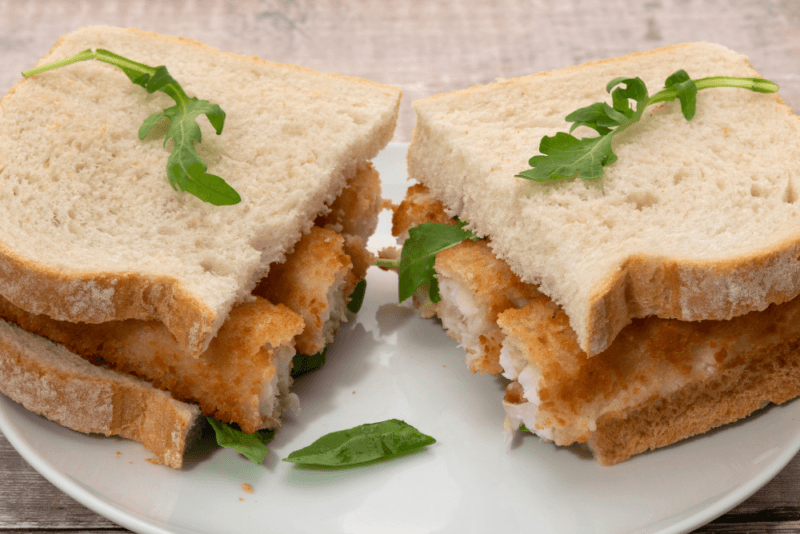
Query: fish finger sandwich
114	248
636	279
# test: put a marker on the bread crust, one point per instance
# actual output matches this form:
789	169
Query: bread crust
100	297
693	290
226	380
49	380
772	376
660	381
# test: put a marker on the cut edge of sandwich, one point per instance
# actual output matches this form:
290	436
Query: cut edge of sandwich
245	375
661	381
49	380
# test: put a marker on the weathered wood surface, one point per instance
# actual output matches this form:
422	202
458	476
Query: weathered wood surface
425	47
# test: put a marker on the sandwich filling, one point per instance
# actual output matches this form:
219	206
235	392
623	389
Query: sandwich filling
49	380
245	375
661	380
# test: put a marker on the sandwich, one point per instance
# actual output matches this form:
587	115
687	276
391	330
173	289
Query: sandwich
635	306
104	256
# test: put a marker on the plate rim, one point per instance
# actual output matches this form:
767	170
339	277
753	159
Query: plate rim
133	521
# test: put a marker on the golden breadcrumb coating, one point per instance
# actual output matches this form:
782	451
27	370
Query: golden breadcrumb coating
656	367
226	380
416	208
660	381
491	288
306	283
475	286
319	276
356	248
355	210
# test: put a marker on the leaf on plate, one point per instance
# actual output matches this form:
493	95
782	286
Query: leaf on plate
360	445
252	446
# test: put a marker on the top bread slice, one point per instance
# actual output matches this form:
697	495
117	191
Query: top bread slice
696	219
92	230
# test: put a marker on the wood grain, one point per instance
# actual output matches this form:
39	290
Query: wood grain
424	47
28	501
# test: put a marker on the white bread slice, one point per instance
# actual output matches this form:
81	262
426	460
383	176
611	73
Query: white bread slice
49	380
696	220
244	375
93	232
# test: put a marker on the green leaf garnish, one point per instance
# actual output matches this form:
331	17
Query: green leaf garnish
186	171
419	254
305	363
565	156
360	445
253	446
357	297
687	92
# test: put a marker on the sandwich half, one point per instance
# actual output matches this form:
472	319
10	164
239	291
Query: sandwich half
635	310
210	303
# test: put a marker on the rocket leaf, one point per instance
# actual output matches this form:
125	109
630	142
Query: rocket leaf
565	156
253	446
186	171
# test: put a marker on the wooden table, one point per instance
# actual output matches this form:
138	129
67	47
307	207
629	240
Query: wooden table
424	47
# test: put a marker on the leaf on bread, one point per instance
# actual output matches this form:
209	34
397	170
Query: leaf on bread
565	156
186	171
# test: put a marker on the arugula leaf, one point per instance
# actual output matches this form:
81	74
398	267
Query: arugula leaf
565	156
357	297
305	363
687	92
186	171
253	446
419	254
360	445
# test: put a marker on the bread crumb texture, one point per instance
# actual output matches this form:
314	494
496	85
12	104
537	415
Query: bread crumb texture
92	229
696	220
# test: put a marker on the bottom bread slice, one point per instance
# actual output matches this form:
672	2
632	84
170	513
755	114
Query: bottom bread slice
660	381
770	377
49	380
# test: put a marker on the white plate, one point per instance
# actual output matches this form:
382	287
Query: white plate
391	364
